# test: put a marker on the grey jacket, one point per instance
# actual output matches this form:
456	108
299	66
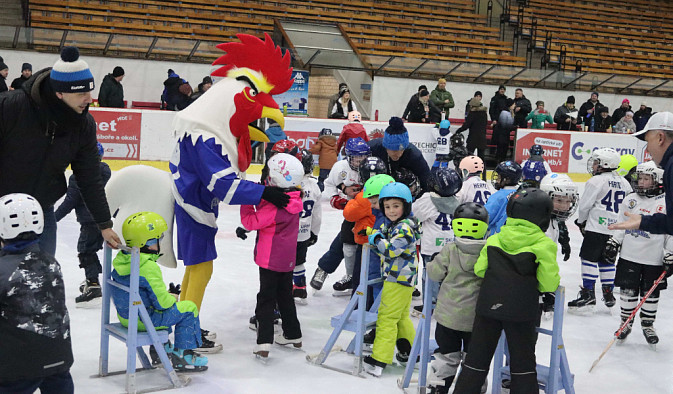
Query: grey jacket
453	267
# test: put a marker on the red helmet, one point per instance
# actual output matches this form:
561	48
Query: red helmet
471	165
286	146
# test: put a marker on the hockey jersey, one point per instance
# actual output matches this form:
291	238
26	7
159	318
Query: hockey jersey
640	246
601	201
532	159
553	230
475	190
443	142
311	216
497	208
340	173
435	214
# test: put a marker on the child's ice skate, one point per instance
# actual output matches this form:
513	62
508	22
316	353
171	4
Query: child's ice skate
300	295
650	334
186	360
625	332
343	287
261	352
585	302
91	296
373	367
282	340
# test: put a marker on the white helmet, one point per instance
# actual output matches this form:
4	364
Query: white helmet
20	213
606	158
560	185
285	171
649	168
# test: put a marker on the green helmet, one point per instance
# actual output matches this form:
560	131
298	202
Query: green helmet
142	227
470	220
626	164
374	185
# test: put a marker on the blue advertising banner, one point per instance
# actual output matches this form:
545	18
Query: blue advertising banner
295	99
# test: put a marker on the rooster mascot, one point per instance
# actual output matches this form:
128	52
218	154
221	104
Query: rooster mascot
213	152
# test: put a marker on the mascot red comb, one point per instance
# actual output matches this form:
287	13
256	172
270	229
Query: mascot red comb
213	151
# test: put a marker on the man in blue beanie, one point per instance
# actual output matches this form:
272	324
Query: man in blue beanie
46	126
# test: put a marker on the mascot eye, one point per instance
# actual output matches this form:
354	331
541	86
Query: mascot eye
252	92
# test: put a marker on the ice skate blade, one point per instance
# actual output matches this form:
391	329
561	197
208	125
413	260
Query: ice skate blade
342	293
301	301
209	350
653	346
262	357
547	315
585	310
93	304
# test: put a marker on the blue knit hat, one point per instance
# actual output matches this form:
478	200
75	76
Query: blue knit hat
70	74
396	136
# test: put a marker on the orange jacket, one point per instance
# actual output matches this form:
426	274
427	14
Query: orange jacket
359	210
325	147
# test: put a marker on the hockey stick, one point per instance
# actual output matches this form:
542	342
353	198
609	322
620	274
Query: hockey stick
654	286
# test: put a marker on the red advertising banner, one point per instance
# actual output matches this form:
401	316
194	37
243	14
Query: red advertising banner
303	139
556	149
119	132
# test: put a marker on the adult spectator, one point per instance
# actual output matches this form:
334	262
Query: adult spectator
203	87
343	106
537	116
4	71
424	111
26	72
588	110
333	99
658	133
498	104
476	122
413	102
442	98
522	107
111	90
45	127
563	118
478	95
642	116
177	92
502	131
621	111
626	125
396	151
603	122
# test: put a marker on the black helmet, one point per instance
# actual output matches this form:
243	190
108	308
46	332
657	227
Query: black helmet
371	166
307	161
509	171
445	181
536	150
405	176
531	204
457	139
325	132
470	220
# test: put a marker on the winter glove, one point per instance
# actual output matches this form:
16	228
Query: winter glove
668	264
564	240
581	226
374	236
338	202
174	290
610	252
275	196
548	300
242	233
312	239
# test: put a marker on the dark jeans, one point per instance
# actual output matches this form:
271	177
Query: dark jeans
330	261
48	236
60	383
521	343
90	241
324	173
275	288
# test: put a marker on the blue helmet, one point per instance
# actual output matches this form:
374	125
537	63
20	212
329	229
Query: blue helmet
445	181
444	124
533	172
508	171
396	190
536	150
101	150
356	151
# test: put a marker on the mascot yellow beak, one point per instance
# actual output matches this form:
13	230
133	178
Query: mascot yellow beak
270	113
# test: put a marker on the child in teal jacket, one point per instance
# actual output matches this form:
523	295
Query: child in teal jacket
539	115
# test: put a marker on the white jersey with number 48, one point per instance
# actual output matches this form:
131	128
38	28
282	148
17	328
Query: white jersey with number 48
601	201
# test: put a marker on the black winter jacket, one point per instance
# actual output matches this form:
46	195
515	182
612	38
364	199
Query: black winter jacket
584	114
640	118
619	114
560	119
73	198
476	122
39	137
18	82
412	159
417	112
497	104
34	321
520	117
111	93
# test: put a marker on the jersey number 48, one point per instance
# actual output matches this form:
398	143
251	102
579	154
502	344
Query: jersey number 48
613	205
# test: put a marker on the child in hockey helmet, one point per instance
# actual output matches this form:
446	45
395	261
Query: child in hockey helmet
357	150
445	181
307	161
470	166
603	160
532	205
536	150
648	180
564	194
144	230
627	166
371	166
533	172
443	149
458	149
407	177
282	146
285	171
470	220
507	173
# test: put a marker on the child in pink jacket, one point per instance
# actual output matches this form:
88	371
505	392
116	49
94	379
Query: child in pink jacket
275	254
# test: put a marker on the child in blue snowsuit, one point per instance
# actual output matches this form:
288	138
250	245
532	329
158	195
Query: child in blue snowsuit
506	177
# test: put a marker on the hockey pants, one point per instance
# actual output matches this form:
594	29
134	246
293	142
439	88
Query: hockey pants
590	273
194	282
393	322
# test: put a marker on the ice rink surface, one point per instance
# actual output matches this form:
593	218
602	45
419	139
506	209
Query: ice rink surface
631	367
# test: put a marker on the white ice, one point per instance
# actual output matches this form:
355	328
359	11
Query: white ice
230	301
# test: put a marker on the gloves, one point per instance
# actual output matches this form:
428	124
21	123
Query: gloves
668	264
338	202
610	252
548	300
373	236
564	240
174	290
275	196
312	239
581	226
242	233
